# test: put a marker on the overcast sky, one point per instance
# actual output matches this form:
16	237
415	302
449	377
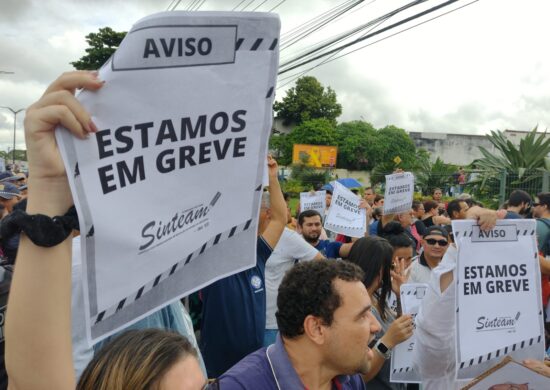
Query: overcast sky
481	68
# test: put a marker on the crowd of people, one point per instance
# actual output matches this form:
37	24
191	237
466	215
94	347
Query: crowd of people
317	311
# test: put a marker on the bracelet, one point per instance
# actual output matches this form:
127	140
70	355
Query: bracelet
41	229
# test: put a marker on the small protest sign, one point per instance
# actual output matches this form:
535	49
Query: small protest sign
185	110
313	201
399	191
509	375
402	356
345	216
498	300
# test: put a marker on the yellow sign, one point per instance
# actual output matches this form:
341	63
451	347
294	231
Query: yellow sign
315	155
397	159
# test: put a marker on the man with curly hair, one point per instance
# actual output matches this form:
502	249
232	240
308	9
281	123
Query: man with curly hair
325	323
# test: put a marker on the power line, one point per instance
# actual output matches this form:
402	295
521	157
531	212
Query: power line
192	4
406	29
355	41
320	24
175	5
246	6
276	6
169	5
311	21
350	33
238	5
327	60
201	4
262	3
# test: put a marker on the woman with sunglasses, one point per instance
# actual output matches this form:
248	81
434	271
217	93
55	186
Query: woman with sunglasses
375	257
434	244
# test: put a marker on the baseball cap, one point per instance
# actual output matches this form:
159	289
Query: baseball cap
11	179
436	230
8	191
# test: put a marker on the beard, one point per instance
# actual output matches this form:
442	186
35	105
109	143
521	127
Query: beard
312	237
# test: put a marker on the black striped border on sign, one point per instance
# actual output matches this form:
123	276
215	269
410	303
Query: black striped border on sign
501	352
402	369
342	226
256	44
524	232
170	271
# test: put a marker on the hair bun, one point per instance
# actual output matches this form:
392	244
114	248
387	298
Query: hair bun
392	228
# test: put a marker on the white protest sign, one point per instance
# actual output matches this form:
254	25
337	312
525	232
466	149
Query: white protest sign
510	375
498	300
313	201
399	191
402	355
345	216
168	190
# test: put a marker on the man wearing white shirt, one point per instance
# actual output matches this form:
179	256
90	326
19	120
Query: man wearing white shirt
434	351
290	249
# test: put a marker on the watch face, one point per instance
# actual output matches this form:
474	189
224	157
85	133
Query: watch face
382	348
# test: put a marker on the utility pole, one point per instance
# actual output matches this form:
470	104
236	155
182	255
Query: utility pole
14	112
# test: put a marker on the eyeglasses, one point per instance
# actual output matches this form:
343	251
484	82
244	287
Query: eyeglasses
535	204
433	241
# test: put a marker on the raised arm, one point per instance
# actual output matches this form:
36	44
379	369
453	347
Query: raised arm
277	222
38	322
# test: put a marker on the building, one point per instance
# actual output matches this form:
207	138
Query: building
459	149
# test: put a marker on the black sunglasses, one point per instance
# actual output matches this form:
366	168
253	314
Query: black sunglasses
433	241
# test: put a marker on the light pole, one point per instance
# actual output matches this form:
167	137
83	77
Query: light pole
15	112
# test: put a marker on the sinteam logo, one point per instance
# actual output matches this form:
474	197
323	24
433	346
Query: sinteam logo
195	218
508	324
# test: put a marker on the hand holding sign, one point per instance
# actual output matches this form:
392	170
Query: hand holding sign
56	107
399	192
177	123
498	293
400	330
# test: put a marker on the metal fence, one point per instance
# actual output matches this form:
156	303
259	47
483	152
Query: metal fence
493	188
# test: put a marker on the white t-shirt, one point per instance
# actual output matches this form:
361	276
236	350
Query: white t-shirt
435	358
419	273
291	248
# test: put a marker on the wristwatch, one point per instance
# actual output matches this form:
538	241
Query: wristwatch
382	349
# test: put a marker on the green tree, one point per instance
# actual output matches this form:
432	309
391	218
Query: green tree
354	145
101	46
312	132
307	100
391	142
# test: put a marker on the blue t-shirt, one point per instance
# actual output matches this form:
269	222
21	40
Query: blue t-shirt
329	249
512	215
271	369
373	228
233	315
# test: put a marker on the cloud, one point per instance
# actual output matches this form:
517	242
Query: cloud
441	76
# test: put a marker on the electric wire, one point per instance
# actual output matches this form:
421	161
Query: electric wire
355	41
292	41
299	74
262	3
349	33
326	60
277	6
238	5
246	6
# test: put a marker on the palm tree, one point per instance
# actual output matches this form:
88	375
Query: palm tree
522	166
